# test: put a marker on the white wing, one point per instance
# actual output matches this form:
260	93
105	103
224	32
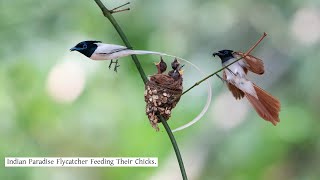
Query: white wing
112	51
108	48
243	84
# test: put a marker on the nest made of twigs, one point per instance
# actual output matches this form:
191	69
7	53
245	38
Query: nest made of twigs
162	93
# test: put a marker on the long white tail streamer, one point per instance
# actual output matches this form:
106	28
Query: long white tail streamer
205	108
209	97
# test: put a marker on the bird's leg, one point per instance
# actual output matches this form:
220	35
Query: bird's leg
116	66
111	62
114	10
231	71
223	80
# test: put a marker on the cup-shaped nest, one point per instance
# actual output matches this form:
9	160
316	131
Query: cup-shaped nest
162	93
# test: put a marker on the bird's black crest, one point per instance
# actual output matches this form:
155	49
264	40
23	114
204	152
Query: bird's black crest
87	48
224	55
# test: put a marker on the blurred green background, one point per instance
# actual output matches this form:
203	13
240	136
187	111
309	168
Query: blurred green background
57	103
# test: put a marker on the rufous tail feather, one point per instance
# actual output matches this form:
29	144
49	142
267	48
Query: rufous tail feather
267	106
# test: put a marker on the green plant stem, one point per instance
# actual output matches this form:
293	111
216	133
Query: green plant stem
107	13
246	54
175	147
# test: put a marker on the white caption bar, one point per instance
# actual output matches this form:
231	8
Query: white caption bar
81	162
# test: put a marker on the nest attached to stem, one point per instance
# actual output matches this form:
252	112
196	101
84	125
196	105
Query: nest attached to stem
162	93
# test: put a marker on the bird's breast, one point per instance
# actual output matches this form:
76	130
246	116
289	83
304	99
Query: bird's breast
96	56
234	69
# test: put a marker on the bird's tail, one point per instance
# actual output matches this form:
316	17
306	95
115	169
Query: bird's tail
267	106
209	95
145	52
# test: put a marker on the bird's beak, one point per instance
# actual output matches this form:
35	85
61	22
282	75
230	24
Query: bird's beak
216	53
181	72
73	49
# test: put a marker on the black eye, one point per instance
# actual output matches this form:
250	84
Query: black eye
84	46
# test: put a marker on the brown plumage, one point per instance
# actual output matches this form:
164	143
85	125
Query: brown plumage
253	64
237	93
267	106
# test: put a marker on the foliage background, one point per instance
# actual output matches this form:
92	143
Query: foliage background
57	103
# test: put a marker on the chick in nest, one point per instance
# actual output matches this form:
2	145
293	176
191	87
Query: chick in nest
163	91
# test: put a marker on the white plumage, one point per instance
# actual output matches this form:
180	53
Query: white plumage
96	50
235	75
112	51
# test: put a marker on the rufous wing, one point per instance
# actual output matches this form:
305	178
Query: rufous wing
236	92
252	63
267	106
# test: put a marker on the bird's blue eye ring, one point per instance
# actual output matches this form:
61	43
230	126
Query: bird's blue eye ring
85	46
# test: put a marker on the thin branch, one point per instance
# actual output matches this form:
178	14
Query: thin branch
255	45
121	10
120	6
246	54
108	14
175	147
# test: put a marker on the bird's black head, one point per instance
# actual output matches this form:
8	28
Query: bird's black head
175	64
224	55
87	48
161	66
